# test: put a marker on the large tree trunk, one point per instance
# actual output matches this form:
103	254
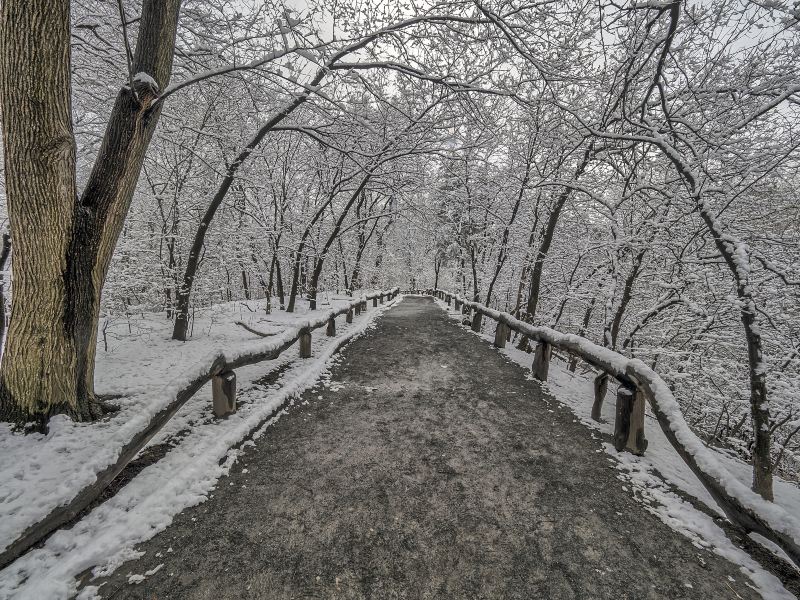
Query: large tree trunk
63	245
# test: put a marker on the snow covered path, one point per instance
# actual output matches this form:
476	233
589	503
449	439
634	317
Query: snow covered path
428	465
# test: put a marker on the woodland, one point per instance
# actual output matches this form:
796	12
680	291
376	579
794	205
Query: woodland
624	171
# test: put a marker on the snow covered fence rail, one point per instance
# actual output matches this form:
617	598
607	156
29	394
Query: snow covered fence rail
741	505
215	367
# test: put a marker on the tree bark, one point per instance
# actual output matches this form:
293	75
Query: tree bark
298	255
63	244
4	256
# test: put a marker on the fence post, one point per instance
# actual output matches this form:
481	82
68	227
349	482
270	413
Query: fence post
500	335
629	422
476	321
305	343
349	316
600	389
223	393
330	331
541	361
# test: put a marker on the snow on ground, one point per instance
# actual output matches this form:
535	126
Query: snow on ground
652	475
139	366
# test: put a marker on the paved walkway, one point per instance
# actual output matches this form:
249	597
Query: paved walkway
436	469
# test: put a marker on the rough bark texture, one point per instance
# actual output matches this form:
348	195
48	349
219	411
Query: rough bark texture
63	244
5	254
39	369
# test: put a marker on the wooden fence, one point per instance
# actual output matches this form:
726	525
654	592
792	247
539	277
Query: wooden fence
220	371
639	384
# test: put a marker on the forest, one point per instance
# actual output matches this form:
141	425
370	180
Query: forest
623	171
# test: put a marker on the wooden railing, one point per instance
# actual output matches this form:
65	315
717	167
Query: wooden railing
639	383
220	371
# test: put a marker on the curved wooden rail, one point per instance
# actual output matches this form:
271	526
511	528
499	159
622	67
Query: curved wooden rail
741	505
218	369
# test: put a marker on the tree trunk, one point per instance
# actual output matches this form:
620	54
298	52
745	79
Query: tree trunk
298	255
180	329
730	249
312	294
544	248
279	282
63	245
4	256
627	295
503	253
269	283
245	285
547	240
474	263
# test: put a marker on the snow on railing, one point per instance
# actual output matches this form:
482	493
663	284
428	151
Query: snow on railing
216	367
741	505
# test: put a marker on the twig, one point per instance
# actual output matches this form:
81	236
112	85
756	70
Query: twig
251	330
